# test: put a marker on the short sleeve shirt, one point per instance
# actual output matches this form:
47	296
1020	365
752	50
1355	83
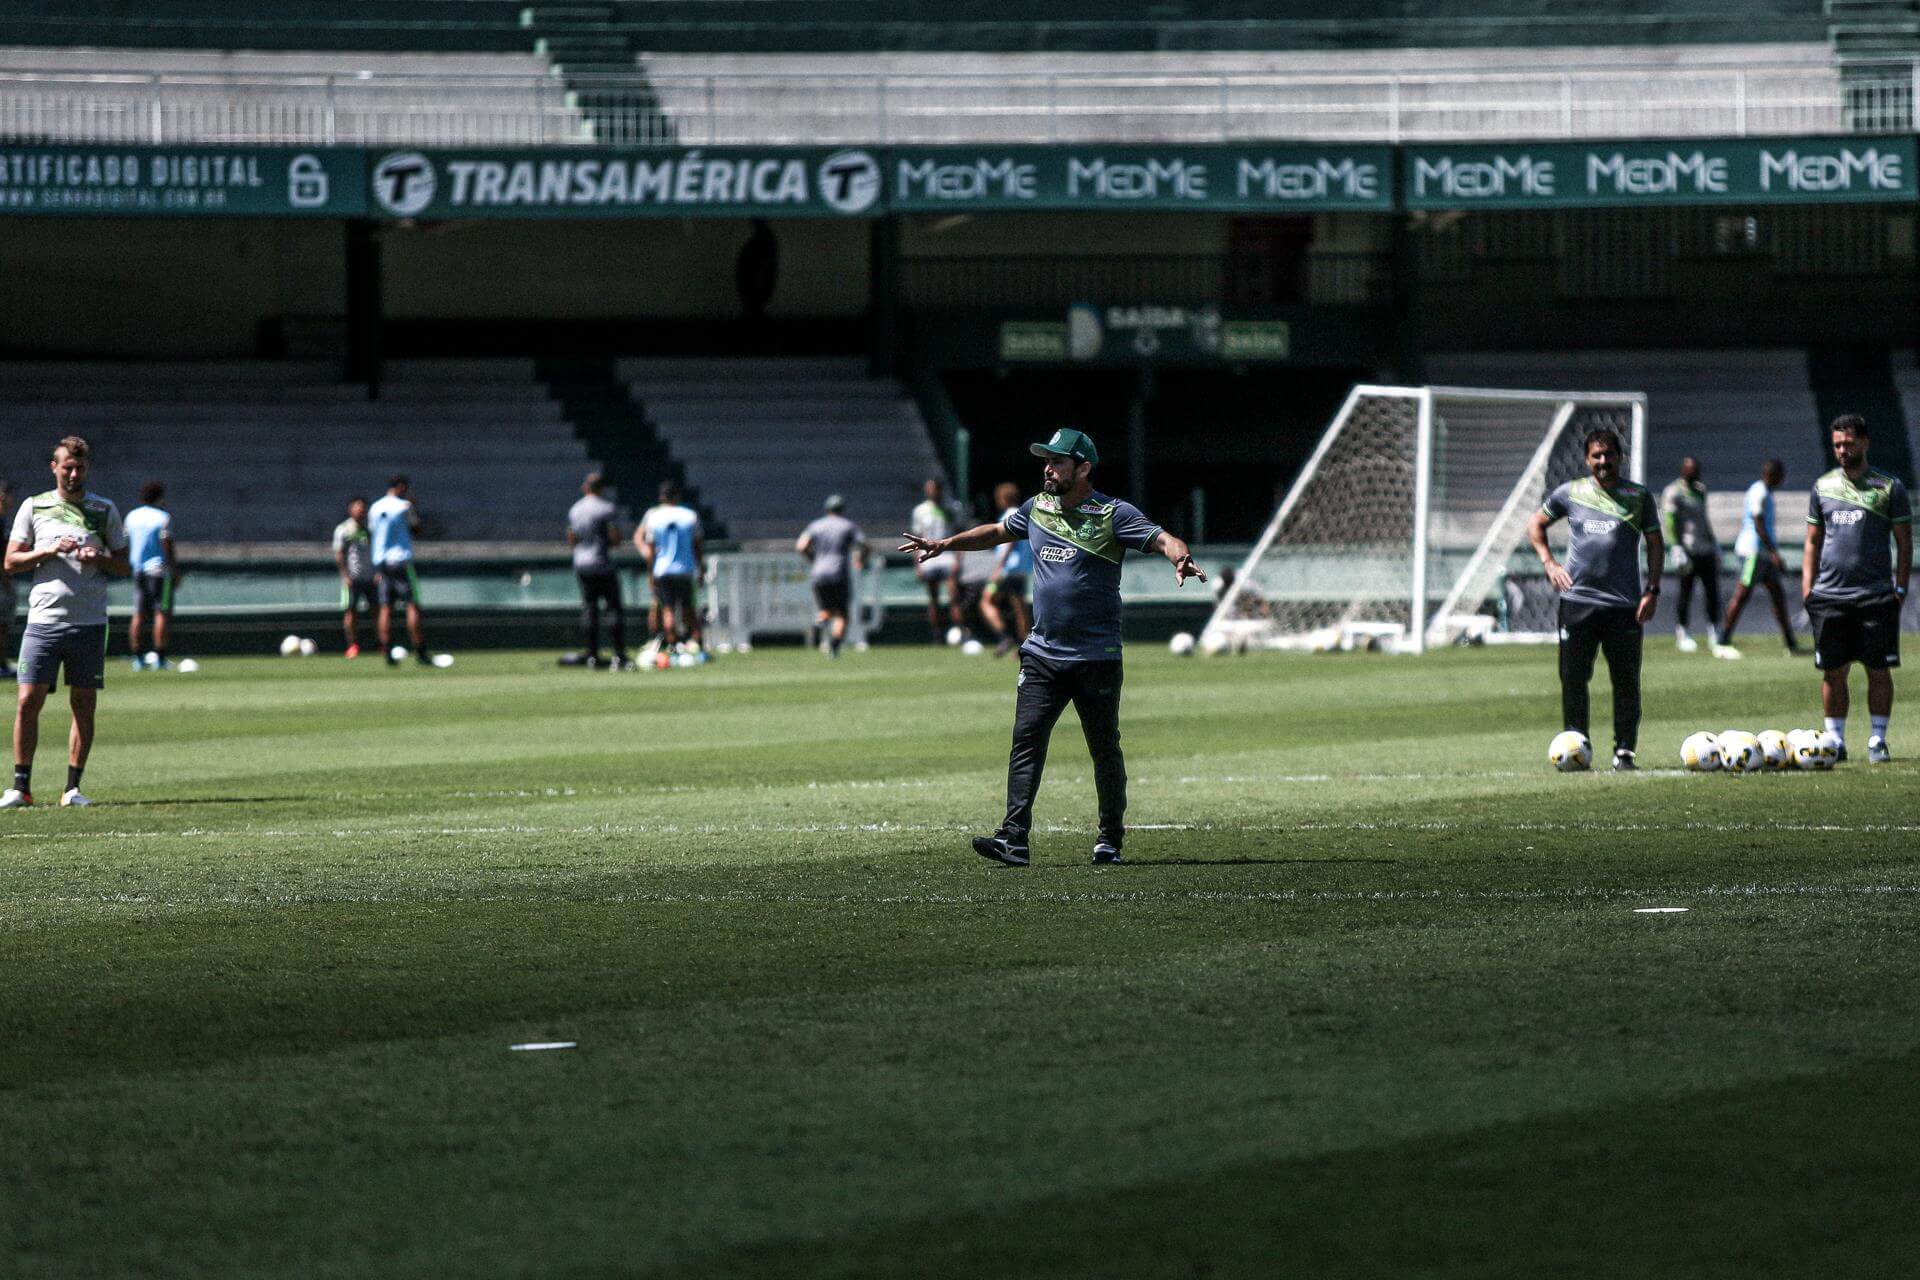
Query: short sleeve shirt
148	531
1756	514
1857	518
831	540
352	541
674	530
1076	572
589	519
1684	506
391	520
65	589
1605	528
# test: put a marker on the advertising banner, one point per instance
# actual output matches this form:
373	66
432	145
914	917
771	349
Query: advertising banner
1693	171
206	181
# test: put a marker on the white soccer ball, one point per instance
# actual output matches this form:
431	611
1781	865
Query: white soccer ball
289	646
1570	752
973	648
954	636
1181	644
1215	643
1797	741
398	653
1700	752
1829	746
1814	749
1773	745
1740	752
443	660
152	661
308	648
186	666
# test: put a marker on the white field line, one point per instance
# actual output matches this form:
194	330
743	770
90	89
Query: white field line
893	828
1279	896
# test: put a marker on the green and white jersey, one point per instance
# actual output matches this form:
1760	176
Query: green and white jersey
1683	518
355	542
1857	518
65	589
1605	527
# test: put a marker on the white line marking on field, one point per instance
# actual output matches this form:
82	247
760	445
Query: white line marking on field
1657	911
545	1044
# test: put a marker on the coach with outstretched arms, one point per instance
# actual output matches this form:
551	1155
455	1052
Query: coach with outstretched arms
73	542
1857	518
1603	604
1072	655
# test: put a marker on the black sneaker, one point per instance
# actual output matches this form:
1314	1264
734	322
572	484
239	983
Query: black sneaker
1106	854
1623	761
1013	855
1842	757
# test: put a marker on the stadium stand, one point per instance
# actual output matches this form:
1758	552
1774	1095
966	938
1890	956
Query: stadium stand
1730	409
269	452
767	440
108	95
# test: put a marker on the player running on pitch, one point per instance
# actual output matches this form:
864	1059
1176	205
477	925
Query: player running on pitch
150	542
1696	556
1072	655
833	547
73	541
1854	586
1759	552
1602	602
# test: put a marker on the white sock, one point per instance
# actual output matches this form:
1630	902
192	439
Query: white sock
1880	727
1838	728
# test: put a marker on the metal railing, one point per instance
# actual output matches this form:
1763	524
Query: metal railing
904	109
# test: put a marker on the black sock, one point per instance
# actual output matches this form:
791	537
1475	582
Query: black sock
23	777
73	776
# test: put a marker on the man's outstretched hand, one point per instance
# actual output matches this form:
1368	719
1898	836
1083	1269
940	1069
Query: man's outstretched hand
923	549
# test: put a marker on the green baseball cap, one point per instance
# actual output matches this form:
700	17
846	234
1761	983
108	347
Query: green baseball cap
1068	443
835	502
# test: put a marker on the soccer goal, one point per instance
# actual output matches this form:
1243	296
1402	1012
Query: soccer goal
1408	526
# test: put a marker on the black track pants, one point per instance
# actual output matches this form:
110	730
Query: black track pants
1045	690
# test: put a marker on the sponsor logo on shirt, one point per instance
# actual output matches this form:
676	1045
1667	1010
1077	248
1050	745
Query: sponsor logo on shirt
1848	517
1054	553
1599	526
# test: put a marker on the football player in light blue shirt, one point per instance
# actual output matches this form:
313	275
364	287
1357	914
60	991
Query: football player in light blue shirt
670	538
149	529
391	521
1758	550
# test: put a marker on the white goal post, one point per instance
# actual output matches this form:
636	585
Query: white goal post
1407	526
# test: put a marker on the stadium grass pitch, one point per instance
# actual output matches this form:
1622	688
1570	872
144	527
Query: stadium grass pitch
1373	997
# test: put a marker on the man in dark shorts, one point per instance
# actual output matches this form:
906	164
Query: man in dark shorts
1696	552
150	551
674	545
833	547
1854	582
73	542
1079	538
592	533
1603	605
1005	604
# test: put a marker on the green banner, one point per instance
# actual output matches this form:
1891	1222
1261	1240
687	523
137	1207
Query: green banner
583	183
197	181
1690	171
1219	178
1150	334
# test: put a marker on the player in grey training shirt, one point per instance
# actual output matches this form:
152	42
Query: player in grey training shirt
1072	655
592	533
1603	604
1854	586
833	546
73	542
1696	551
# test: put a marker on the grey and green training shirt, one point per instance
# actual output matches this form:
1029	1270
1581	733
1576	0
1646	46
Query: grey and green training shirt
1605	527
1857	518
1076	572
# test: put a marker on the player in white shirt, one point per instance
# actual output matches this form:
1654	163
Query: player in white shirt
392	521
73	542
932	521
1759	556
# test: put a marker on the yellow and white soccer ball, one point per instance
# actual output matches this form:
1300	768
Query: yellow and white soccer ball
1570	752
1740	752
1700	752
1829	746
290	646
1773	745
1813	749
1182	644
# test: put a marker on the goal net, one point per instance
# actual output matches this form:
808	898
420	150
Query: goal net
1407	527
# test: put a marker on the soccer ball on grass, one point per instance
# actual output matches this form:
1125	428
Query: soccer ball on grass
1700	752
1740	752
1182	644
1570	752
